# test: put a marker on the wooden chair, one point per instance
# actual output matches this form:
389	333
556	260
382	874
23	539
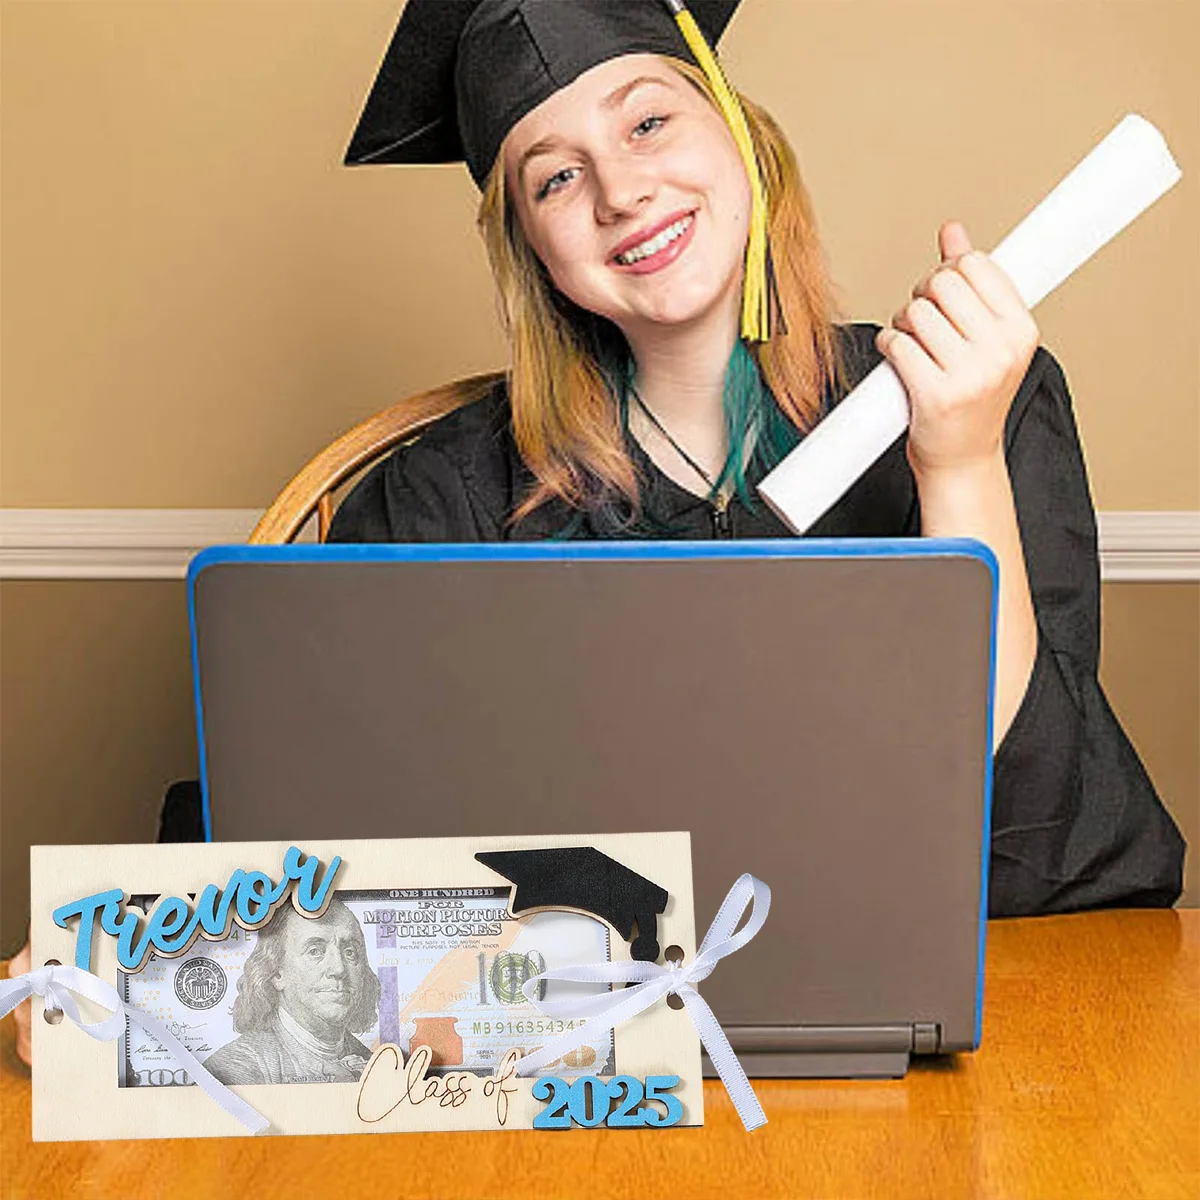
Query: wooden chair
313	487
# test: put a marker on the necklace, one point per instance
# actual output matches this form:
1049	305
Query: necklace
720	500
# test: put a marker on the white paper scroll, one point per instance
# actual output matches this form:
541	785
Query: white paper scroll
1130	169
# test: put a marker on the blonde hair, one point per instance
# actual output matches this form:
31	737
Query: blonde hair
565	421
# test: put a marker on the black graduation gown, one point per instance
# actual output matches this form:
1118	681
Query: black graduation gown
1076	822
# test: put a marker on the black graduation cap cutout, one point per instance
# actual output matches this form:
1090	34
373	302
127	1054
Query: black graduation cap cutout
583	878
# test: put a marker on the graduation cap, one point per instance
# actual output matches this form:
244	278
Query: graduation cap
459	74
583	878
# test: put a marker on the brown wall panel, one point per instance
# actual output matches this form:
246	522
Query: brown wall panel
1150	669
96	716
95	720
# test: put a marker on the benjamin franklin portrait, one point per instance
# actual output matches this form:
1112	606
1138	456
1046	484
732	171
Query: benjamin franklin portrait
307	989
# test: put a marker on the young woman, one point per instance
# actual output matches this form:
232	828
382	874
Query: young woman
618	211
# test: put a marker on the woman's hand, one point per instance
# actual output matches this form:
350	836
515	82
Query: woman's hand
961	347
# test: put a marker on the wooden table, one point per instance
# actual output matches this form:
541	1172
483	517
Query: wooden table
1087	1084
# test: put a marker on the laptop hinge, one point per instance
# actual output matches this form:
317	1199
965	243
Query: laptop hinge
927	1037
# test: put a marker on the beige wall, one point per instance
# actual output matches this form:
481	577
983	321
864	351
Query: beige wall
196	296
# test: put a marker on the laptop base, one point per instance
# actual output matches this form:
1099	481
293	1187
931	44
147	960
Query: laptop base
852	1065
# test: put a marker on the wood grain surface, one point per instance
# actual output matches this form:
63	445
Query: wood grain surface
1087	1084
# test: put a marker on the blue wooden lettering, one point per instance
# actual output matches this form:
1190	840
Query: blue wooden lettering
86	911
570	1102
558	1093
308	898
214	913
255	897
172	925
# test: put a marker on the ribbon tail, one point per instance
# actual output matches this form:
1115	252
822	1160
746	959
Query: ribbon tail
720	939
12	992
713	1039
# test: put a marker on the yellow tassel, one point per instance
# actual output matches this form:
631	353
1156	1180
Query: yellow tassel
756	291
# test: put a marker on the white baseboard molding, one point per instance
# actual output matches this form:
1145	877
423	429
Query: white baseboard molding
114	543
157	543
1149	547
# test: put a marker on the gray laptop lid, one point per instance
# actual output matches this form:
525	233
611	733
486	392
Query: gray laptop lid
815	713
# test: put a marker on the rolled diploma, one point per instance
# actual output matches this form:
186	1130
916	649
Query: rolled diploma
1130	169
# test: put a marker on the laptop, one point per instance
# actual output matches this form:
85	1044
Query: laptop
817	713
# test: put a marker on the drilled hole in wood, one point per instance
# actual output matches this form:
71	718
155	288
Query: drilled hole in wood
52	1016
674	954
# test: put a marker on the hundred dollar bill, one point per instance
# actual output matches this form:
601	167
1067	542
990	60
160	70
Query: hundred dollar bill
308	1000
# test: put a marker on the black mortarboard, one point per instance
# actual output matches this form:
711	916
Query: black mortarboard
459	74
584	878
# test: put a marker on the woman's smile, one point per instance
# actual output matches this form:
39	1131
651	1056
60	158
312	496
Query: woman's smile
645	253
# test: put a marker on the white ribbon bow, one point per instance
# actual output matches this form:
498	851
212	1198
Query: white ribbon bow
609	1009
55	984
